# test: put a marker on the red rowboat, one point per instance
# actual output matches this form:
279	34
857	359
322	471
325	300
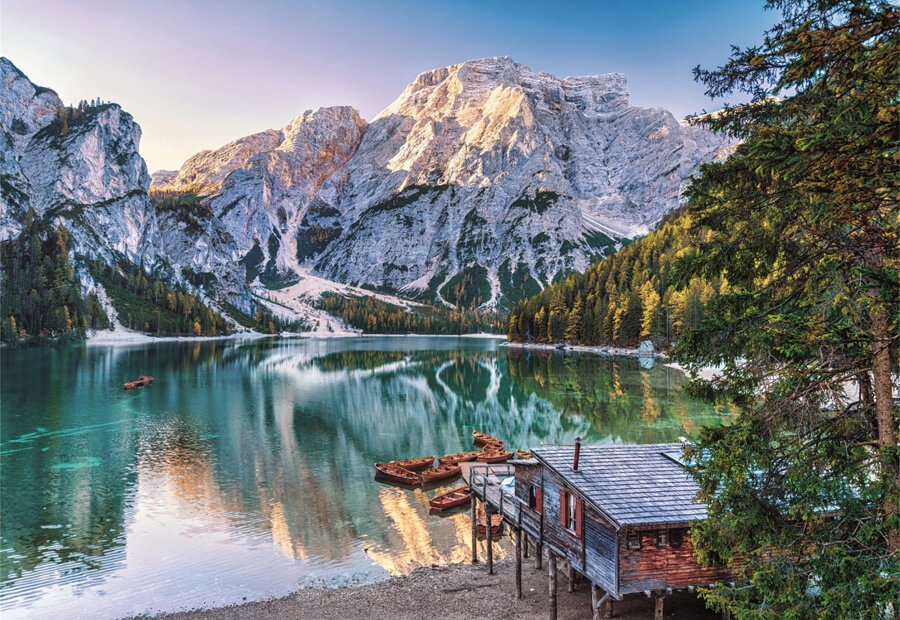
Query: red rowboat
459	457
142	381
414	464
447	470
451	499
497	456
481	521
481	439
396	473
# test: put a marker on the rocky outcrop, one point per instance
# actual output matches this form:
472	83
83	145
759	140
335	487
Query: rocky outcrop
79	165
25	109
206	170
484	174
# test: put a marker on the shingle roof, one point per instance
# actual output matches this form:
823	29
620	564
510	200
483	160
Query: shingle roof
633	485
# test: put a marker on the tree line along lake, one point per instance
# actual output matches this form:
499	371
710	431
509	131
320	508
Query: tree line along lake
245	470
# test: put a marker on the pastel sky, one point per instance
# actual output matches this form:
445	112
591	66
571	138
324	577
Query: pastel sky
197	74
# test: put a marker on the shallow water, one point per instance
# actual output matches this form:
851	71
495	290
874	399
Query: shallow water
245	469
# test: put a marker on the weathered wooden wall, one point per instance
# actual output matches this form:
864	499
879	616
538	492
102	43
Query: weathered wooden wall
526	476
595	554
656	568
601	553
566	544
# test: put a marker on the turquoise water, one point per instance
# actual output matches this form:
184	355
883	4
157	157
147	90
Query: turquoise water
245	469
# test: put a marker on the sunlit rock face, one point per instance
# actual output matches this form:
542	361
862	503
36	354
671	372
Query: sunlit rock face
480	184
78	166
260	188
484	169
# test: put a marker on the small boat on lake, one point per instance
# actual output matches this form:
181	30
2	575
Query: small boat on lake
141	382
459	457
494	456
523	455
459	496
481	521
395	473
441	472
414	464
482	439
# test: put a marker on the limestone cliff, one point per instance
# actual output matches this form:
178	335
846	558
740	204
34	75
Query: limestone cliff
484	173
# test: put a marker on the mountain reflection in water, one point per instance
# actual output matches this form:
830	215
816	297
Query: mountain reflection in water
245	469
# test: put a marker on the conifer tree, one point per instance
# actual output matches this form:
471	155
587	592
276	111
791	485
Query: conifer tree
803	489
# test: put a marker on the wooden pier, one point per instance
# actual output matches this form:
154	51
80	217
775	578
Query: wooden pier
486	482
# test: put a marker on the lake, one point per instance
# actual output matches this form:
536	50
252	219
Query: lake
245	469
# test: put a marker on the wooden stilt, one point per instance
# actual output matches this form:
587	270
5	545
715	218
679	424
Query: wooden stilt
570	575
551	561
525	545
658	599
538	555
490	539
600	604
519	563
474	531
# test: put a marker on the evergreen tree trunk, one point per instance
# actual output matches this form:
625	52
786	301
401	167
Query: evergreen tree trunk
884	412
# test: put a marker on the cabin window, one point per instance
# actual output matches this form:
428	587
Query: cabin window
571	509
662	538
634	540
535	498
676	537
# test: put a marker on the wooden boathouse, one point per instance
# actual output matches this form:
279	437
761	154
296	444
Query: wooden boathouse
616	515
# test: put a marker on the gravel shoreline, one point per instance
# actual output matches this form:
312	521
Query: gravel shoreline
457	592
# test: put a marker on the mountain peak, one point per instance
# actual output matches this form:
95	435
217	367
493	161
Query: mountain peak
482	183
481	79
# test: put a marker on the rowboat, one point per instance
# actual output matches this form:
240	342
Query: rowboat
459	457
451	499
494	456
481	439
496	444
523	454
447	470
414	464
396	473
481	521
141	381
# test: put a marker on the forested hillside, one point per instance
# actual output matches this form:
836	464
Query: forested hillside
40	295
377	317
624	299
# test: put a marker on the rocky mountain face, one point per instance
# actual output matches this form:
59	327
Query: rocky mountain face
79	165
480	184
483	181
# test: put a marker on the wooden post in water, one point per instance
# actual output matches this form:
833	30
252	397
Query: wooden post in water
474	521
490	537
519	562
551	560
